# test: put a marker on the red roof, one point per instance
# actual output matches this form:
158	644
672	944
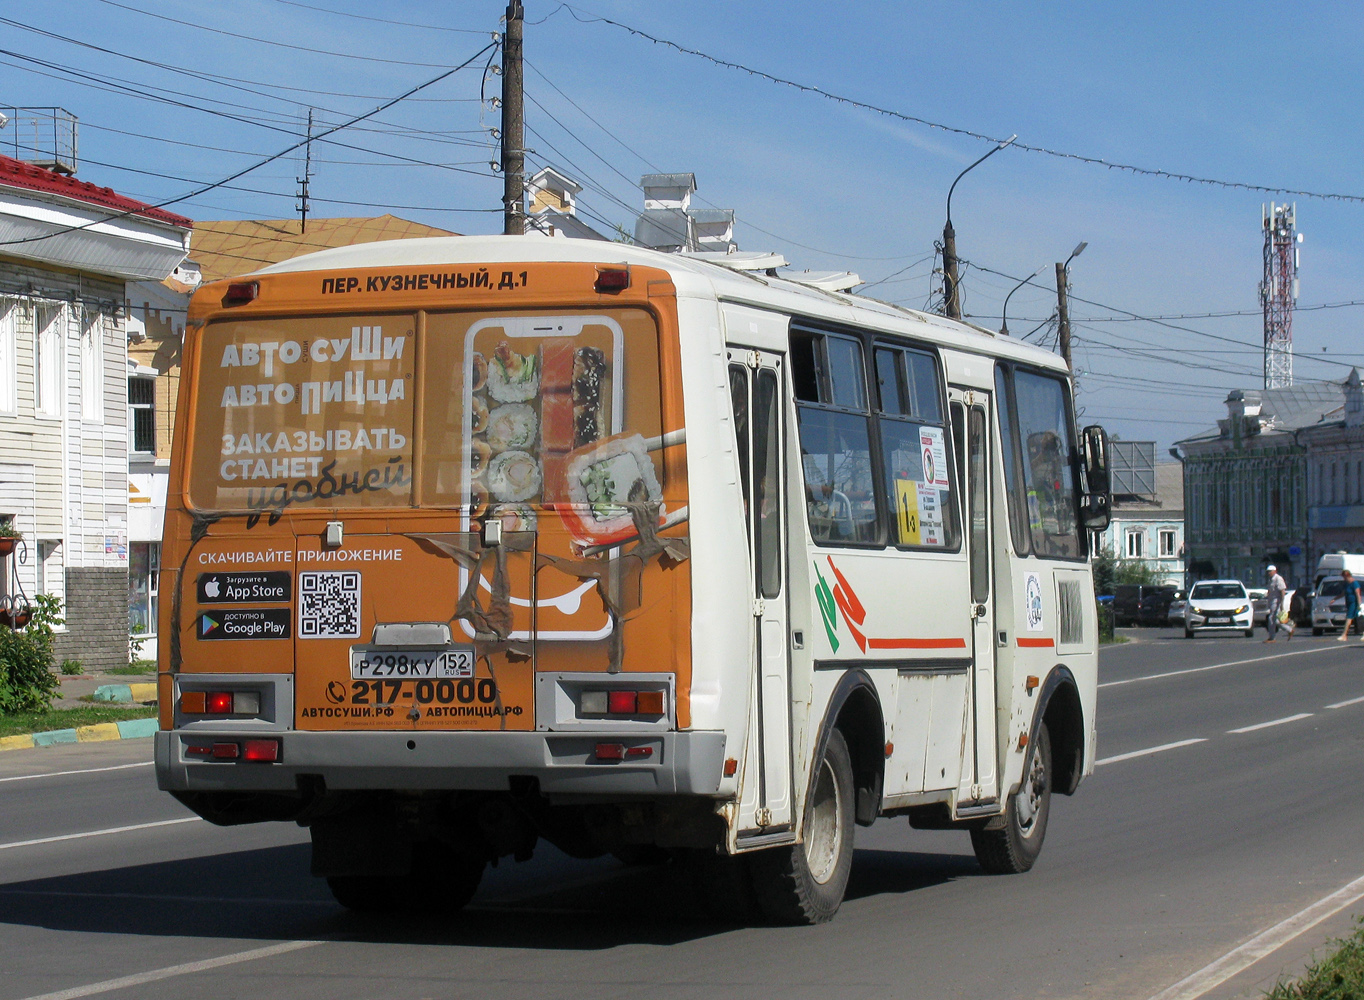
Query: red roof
17	173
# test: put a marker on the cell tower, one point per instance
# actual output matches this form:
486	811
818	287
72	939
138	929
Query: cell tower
1279	291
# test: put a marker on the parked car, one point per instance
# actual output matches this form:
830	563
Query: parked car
1128	599
1155	606
1175	616
1300	606
1259	602
1218	606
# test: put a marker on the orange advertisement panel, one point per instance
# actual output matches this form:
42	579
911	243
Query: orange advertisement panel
304	411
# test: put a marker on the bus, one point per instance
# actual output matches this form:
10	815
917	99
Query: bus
476	541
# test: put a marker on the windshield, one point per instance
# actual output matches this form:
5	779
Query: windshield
1217	592
1332	588
338	411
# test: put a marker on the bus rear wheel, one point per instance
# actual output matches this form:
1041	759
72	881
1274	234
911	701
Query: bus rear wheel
442	881
1014	848
804	883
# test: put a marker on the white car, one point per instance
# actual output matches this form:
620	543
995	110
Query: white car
1218	606
1259	603
1328	607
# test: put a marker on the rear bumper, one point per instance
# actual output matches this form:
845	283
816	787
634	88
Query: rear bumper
682	763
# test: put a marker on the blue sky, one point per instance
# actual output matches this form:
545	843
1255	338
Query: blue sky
1260	93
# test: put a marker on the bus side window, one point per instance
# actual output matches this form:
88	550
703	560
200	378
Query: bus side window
835	438
738	392
1044	428
916	486
1018	519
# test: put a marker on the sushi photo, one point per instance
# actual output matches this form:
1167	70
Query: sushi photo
600	480
514	476
513	377
478	415
478	372
512	426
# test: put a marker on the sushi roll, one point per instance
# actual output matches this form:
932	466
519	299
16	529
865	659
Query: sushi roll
479	454
512	377
514	516
604	479
556	422
589	368
478	372
554	466
478	415
514	476
512	426
478	495
556	365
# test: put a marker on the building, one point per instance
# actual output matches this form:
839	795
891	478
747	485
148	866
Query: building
1245	485
553	207
669	223
1147	524
67	251
1335	474
156	330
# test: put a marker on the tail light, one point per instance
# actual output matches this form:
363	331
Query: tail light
621	702
239	293
612	281
226	751
262	750
220	702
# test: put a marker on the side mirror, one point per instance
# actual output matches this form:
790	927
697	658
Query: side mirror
1096	503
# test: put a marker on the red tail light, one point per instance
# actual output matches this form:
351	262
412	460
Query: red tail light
226	751
220	703
239	293
622	702
612	281
266	750
610	751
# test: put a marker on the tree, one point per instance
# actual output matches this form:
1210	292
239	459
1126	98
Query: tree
1135	571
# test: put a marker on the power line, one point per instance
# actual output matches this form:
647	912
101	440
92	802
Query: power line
588	18
382	20
269	159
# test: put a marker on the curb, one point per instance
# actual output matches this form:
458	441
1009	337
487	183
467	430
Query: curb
125	692
128	729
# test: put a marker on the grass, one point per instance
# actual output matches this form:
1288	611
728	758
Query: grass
1339	976
137	668
1116	640
69	718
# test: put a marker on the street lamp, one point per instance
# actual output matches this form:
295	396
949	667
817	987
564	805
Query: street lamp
949	239
1062	307
1004	319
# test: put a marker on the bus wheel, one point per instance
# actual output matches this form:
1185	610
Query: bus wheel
1014	848
804	883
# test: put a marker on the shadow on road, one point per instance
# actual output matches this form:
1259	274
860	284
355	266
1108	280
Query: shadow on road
267	894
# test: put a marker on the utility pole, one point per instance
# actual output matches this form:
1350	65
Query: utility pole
307	175
1062	314
951	301
513	125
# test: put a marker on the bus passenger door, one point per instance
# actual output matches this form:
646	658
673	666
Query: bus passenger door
755	380
971	430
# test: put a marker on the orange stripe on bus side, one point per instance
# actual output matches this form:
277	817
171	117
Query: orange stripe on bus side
1037	642
917	643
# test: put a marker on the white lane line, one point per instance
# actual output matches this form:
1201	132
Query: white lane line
1273	722
1149	750
1342	704
1214	666
87	770
98	833
176	970
1266	942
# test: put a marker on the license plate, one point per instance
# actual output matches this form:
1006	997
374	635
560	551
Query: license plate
1220	621
372	662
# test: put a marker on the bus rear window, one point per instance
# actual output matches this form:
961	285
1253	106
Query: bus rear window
515	411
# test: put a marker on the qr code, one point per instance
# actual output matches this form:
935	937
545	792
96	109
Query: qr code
329	605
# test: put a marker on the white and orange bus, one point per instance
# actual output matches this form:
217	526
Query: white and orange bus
476	541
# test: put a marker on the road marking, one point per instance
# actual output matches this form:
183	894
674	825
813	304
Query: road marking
99	833
1275	722
1149	750
1215	666
1342	704
171	971
1266	942
87	770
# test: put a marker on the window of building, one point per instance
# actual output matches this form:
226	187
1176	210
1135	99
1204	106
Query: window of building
1167	542
8	376
51	569
92	365
47	359
144	564
1135	537
142	409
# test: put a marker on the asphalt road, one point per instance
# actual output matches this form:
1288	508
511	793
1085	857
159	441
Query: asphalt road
1162	863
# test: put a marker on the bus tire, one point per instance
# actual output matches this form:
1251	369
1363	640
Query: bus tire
804	883
442	881
1013	849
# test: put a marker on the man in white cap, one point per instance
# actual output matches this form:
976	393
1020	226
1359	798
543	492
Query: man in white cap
1274	603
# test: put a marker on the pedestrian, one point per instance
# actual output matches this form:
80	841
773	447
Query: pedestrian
1274	604
1353	589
